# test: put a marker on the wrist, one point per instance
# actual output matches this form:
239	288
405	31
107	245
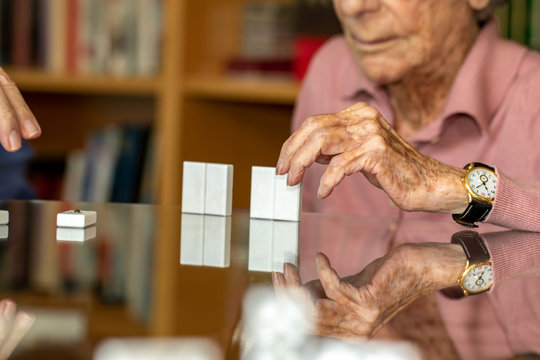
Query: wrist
455	197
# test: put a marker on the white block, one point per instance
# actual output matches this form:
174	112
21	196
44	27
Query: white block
285	248
261	244
217	241
4	231
219	185
76	218
192	239
287	200
75	234
193	187
262	192
4	217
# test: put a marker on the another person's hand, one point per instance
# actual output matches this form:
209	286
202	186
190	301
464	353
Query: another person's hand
13	326
359	139
358	306
16	119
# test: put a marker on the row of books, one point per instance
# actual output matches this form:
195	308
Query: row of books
519	20
119	37
115	166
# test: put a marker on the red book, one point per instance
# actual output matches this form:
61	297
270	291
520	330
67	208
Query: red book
72	23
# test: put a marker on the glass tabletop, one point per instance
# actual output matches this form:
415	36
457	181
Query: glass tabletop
152	271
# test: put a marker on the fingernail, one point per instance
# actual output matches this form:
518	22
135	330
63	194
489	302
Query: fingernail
31	128
14	140
286	271
9	310
319	192
279	168
274	278
24	320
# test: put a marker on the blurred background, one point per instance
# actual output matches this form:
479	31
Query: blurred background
125	90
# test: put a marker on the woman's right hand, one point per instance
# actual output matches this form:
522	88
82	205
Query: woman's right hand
16	119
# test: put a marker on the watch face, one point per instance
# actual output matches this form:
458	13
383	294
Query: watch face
483	183
478	278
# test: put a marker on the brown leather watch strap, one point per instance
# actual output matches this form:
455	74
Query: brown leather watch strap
473	245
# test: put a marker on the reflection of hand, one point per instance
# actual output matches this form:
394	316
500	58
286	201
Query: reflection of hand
16	119
13	326
358	139
358	306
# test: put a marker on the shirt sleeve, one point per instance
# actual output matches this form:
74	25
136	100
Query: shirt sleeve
517	204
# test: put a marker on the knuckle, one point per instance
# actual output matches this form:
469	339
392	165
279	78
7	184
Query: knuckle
378	143
312	121
370	112
7	116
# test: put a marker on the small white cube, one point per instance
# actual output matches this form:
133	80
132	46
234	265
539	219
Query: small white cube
4	232
219	185
192	239
217	241
76	218
261	245
4	217
75	234
263	184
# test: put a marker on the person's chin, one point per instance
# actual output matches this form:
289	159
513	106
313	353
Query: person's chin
380	71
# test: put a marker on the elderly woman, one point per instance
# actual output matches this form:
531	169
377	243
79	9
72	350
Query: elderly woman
427	86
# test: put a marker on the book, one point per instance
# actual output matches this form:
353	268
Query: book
534	24
518	21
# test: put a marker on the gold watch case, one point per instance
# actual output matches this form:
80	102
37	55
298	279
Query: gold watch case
468	268
470	193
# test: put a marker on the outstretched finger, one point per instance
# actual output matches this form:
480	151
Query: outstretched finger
334	288
7	313
22	323
28	125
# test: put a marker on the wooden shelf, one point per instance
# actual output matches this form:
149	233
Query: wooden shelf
265	91
40	81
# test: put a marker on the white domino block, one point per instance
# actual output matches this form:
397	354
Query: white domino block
76	234
4	217
287	200
4	232
261	244
192	239
263	184
193	187
217	241
219	184
76	218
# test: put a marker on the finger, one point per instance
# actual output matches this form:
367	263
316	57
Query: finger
9	126
278	280
22	323
292	276
334	288
7	313
28	124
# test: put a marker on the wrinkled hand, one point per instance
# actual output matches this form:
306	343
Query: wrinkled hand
13	326
358	139
358	306
16	119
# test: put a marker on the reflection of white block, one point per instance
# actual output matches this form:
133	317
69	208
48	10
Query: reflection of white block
76	218
4	231
192	239
219	181
217	241
285	244
272	243
286	200
4	217
75	234
263	185
260	245
193	187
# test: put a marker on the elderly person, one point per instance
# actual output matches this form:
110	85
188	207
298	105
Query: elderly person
412	92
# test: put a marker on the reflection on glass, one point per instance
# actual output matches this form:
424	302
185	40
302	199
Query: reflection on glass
75	234
4	232
272	243
205	240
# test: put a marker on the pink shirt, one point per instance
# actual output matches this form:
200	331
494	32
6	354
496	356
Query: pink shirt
489	117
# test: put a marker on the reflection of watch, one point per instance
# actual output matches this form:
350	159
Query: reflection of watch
480	181
477	277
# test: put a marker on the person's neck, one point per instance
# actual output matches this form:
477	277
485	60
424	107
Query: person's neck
419	98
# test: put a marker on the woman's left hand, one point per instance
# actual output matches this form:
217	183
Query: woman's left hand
359	139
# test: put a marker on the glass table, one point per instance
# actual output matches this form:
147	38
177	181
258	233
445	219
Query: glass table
146	271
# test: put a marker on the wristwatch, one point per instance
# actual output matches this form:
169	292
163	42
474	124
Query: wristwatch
477	277
480	181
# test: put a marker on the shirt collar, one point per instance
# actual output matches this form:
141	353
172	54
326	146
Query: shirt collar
480	85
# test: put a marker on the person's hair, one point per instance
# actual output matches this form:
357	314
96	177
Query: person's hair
485	14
